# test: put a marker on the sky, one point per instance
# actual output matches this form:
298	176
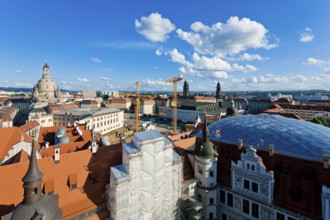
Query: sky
109	45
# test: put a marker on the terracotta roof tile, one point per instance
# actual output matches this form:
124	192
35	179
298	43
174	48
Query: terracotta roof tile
20	157
10	137
72	202
29	126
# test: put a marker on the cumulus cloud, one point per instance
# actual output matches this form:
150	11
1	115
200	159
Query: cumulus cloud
95	59
105	78
313	61
248	57
324	64
205	66
66	82
306	36
154	27
232	37
82	79
19	71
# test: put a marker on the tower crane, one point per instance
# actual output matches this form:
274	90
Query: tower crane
175	81
137	107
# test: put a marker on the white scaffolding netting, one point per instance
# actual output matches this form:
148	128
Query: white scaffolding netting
148	185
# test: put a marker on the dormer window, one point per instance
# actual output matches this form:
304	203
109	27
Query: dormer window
73	181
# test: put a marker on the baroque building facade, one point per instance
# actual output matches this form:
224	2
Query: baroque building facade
45	90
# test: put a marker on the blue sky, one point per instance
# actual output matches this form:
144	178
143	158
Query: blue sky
109	45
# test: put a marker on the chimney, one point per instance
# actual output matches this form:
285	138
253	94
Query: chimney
94	146
57	151
240	144
47	144
271	150
325	159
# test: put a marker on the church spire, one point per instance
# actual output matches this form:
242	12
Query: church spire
185	89
218	91
32	179
205	131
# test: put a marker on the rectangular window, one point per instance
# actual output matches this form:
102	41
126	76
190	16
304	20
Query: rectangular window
211	173
255	187
280	216
222	196
230	199
290	218
246	206
223	217
211	201
246	184
255	210
211	215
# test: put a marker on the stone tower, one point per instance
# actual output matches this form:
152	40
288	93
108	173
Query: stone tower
185	89
35	205
218	91
206	173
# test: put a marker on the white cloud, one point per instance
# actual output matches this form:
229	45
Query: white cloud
232	37
325	65
82	79
66	83
24	85
19	71
306	36
154	27
299	78
105	78
159	51
149	84
248	57
95	59
204	66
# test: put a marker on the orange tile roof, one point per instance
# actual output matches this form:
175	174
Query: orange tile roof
86	197
185	143
21	156
29	126
10	137
179	136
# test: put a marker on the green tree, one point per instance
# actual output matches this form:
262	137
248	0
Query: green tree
320	120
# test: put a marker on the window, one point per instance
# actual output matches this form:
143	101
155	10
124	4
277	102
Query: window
253	168
296	193
211	201
211	173
222	196
73	186
248	166
290	218
255	210
255	187
223	216
246	184
211	215
230	199
246	206
280	216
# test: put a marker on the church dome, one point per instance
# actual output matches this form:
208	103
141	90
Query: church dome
64	140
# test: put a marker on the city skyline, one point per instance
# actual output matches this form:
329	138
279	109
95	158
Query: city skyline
110	46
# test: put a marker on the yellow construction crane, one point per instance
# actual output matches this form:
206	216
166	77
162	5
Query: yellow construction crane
175	81
137	107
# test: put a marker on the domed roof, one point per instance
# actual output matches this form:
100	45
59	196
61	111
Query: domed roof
45	206
296	138
205	148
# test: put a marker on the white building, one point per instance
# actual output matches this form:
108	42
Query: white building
103	120
40	115
89	94
111	93
148	183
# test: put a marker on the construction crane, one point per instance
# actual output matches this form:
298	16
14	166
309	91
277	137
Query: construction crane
137	107
175	81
